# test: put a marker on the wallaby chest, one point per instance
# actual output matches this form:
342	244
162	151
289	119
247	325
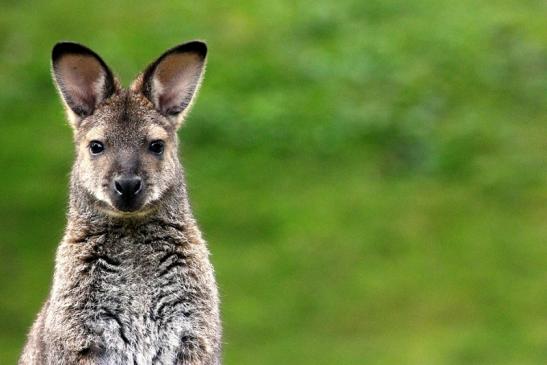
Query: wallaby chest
139	294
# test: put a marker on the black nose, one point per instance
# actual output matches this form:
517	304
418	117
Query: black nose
128	186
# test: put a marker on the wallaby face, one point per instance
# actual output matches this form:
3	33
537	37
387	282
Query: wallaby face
133	283
126	142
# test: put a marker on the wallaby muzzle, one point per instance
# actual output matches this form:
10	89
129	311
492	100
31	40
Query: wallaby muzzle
127	192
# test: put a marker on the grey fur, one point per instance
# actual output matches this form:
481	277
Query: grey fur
129	287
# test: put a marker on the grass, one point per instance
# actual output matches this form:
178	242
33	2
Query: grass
370	175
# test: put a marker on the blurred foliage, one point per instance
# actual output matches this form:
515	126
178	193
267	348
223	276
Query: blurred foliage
371	175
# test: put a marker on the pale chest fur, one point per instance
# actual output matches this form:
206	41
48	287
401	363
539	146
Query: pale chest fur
140	297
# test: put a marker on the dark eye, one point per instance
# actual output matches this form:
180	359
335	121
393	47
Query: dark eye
156	147
96	147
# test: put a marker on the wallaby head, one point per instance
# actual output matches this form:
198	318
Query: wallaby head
126	141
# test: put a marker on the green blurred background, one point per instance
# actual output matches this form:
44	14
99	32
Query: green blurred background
371	175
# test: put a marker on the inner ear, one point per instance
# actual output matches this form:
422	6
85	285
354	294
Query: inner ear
82	78
175	81
172	81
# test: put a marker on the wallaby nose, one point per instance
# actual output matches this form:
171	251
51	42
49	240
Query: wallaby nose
128	186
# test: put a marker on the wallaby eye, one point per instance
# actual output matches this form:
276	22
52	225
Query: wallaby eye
96	147
157	147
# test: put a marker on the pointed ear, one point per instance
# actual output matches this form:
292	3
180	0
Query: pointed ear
171	82
82	78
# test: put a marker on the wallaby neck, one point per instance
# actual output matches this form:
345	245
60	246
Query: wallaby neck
86	218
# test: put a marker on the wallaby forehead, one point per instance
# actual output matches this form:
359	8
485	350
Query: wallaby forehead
124	119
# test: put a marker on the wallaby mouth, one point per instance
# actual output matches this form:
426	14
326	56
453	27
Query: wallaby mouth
130	206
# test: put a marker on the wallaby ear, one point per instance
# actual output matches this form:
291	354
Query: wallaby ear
82	78
171	82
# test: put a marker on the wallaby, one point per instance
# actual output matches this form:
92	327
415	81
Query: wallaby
133	283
